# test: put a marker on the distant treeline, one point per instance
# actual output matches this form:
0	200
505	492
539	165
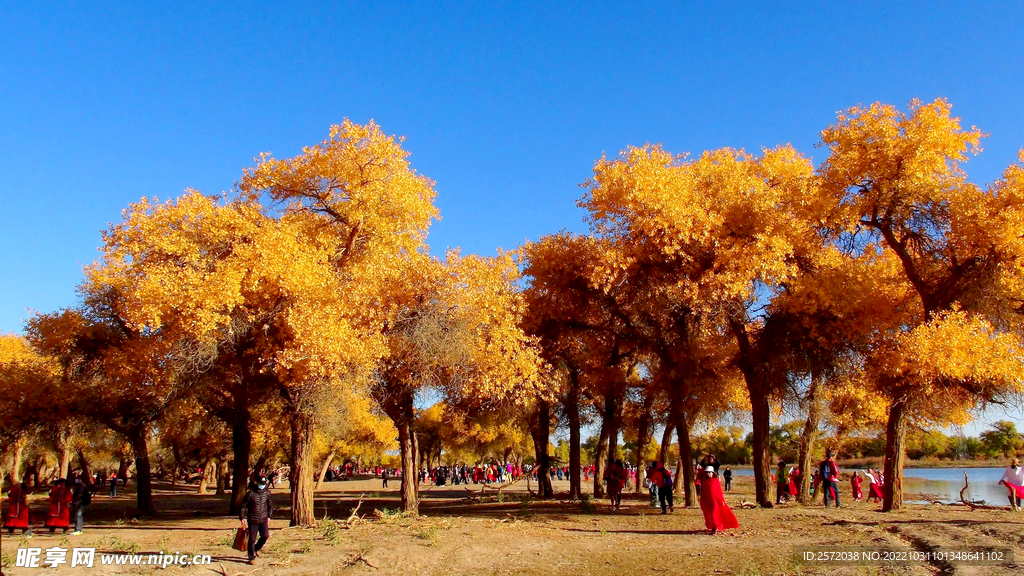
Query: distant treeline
733	446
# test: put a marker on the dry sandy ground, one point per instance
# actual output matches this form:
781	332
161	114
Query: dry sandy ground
463	533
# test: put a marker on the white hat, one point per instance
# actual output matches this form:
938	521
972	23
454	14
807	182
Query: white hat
710	469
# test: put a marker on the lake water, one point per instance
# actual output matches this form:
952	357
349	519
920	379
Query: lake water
942	483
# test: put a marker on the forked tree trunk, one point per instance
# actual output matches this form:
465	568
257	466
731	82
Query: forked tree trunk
541	438
895	442
301	480
760	411
323	470
685	459
807	438
143	475
643	438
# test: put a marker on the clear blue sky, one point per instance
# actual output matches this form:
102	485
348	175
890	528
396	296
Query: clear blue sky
506	108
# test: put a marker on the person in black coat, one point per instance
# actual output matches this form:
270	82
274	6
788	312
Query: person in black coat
257	507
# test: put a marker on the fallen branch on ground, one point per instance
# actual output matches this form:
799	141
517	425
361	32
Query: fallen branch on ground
353	518
357	559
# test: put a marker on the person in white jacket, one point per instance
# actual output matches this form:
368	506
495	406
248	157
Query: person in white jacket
1013	479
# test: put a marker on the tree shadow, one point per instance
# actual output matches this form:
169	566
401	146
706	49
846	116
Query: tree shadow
638	531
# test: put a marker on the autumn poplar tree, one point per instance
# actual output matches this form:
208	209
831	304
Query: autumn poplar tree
898	179
726	229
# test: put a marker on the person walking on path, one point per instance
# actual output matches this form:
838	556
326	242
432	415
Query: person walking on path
652	484
17	515
80	498
664	480
616	479
384	477
113	485
255	512
727	475
60	507
874	485
829	477
855	483
781	483
1013	479
717	514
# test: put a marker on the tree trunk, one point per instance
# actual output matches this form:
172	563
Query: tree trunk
400	410
323	470
643	434
83	464
600	458
204	479
572	408
122	464
541	439
19	453
241	446
807	438
685	459
895	439
666	443
611	413
222	476
761	413
301	481
760	409
63	445
143	478
176	455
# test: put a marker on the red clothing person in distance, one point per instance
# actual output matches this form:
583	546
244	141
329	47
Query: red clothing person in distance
717	514
856	482
17	508
60	506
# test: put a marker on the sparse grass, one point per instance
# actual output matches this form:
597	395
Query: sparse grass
330	532
587	505
501	498
430	535
388	516
64	542
6	559
226	540
165	544
116	544
304	548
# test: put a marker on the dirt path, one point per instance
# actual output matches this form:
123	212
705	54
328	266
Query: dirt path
485	534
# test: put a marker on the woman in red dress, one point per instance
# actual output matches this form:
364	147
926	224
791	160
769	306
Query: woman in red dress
855	482
60	507
17	509
717	514
875	488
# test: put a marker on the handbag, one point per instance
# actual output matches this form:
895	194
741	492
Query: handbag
241	540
